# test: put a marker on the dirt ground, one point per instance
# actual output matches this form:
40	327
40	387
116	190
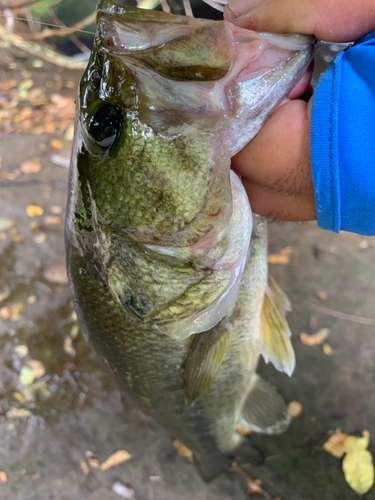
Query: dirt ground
54	412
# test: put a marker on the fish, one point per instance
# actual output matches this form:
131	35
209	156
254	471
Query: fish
166	262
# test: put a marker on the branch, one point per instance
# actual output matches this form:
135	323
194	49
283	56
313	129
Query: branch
42	51
46	33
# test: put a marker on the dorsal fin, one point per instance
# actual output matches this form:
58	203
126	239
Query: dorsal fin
275	344
203	363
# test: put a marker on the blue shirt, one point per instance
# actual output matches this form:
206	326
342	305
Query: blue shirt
343	141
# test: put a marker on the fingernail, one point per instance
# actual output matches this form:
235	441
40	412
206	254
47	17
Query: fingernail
239	7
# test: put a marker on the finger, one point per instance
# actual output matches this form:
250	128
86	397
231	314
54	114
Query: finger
330	20
278	158
285	207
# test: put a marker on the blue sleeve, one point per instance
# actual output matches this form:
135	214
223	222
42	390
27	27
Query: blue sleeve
343	141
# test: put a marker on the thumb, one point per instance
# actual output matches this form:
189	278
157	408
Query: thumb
330	20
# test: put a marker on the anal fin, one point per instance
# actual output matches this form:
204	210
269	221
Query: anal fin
264	409
275	344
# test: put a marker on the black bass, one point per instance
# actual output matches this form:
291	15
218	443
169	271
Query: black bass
167	265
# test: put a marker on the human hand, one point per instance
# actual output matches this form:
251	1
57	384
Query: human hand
275	165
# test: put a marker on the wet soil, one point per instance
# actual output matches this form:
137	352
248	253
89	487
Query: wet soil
75	408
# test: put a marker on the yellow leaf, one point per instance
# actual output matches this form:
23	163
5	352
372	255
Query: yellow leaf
295	409
56	144
34	210
316	339
322	295
336	444
355	444
359	470
19	412
327	349
115	459
279	258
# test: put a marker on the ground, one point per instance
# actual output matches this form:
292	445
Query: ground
66	406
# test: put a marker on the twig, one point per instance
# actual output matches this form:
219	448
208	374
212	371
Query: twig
42	51
47	33
338	314
82	47
253	484
15	6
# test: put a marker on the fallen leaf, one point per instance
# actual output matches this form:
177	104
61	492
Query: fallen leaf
19	412
49	128
27	376
31	299
21	350
9	84
5	313
28	393
6	224
84	467
364	244
243	430
183	451
37	63
55	209
34	210
31	166
15	311
295	409
123	491
357	465
17	238
279	258
3	477
52	220
92	460
37	367
287	250
34	226
56	144
322	295
69	132
74	332
57	274
316	339
40	238
336	444
328	350
115	459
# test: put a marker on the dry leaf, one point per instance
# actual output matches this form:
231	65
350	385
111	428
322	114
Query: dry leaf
322	295
37	367
295	409
336	444
243	430
3	477
34	210
57	274
40	238
21	350
287	250
31	166
115	459
31	299
92	460
279	258
4	313
52	220
123	491
316	339
19	412
327	349
84	467
55	209
49	128
15	311
357	465
27	376
183	451
56	144
6	224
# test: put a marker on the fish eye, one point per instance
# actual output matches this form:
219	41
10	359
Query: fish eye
105	125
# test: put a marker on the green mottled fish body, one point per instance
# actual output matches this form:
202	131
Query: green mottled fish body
167	265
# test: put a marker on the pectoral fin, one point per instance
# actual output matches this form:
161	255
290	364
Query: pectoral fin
205	357
264	409
275	344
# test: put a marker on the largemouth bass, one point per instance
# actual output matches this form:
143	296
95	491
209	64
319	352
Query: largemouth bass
167	265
